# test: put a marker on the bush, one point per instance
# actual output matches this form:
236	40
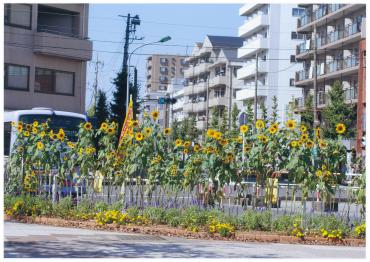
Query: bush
63	208
118	205
100	206
193	219
155	215
133	212
85	206
252	220
172	217
284	223
329	223
360	231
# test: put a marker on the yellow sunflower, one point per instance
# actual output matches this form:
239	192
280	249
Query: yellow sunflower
303	128
147	131
34	130
187	144
230	157
40	145
244	129
291	124
26	133
42	134
323	144
319	173
294	143
260	124
300	142
61	134
139	136
20	128
239	139
272	130
263	138
340	128
178	142
87	126
70	144
275	125
111	131
223	142
28	126
304	136
35	124
155	115
104	126
211	133
309	143
186	151
167	131
196	147
218	135
318	132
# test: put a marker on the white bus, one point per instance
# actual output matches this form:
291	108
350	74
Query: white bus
57	119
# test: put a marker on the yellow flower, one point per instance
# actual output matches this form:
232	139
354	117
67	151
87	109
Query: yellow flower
309	143
275	125
40	145
260	124
42	134
239	139
187	143
35	124
26	133
61	134
300	142
111	131
304	136
223	142
211	133
294	143
178	142
218	135
340	128
318	173
196	148
70	144
34	130
230	157
323	167
155	115
28	126
186	151
113	124
291	124
148	131
244	129
19	128
303	128
318	132
135	123
167	131
323	144
104	126
272	130
87	126
139	136
263	138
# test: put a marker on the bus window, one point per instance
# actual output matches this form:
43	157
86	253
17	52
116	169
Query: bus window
7	133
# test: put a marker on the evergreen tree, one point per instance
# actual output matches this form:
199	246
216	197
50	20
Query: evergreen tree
263	111
337	111
175	129
249	112
118	105
234	118
214	118
307	115
274	115
224	121
192	131
101	111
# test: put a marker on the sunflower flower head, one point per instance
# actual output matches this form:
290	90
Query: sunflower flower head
87	126
291	124
260	124
139	136
340	128
167	131
244	129
155	115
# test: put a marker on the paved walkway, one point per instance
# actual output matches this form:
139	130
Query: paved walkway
39	241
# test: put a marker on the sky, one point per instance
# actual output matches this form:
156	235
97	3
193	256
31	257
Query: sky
185	23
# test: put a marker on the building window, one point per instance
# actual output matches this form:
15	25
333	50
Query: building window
291	82
163	61
163	87
54	82
16	77
163	70
163	79
292	59
298	12
18	15
296	35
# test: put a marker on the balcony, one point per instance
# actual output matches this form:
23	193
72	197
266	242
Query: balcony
248	8
351	93
200	87
248	93
188	107
218	101
253	25
249	70
299	104
218	80
322	99
188	90
252	47
200	106
197	69
69	47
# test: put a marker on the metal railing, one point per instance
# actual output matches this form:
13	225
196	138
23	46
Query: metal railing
318	13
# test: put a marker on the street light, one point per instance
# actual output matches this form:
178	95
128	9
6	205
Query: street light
162	40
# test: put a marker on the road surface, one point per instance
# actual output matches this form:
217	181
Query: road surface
40	241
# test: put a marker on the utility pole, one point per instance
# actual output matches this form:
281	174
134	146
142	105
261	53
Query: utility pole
231	92
125	48
255	93
315	116
97	63
134	93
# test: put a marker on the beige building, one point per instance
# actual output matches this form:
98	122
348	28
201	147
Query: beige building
161	69
211	77
332	35
45	56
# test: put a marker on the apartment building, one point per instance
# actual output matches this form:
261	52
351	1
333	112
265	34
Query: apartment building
268	53
46	49
211	77
332	50
176	110
161	68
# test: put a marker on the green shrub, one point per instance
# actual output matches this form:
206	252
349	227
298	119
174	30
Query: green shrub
193	218
155	215
63	208
328	223
85	206
42	207
172	217
284	223
133	211
252	220
118	205
100	206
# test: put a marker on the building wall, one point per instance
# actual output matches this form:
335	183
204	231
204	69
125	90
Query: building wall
29	47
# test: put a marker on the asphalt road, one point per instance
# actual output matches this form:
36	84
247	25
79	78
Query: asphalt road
39	241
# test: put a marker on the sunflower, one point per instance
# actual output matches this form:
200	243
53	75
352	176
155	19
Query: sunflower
218	135
340	128
275	125
263	138
223	142
70	144
260	124
111	131
187	144
26	133
139	136
19	128
167	131
196	147
323	167
178	142
186	151
104	126
319	173
51	134
291	124
147	131
300	142
28	126
20	149
35	124
303	128
272	130
246	148
318	132
61	134
210	150
135	123
304	136
309	143
239	139
323	144
113	124
155	115
211	133
42	134
230	157
294	143
87	126
40	145
244	129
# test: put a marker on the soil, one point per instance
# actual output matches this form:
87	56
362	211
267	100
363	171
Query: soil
163	230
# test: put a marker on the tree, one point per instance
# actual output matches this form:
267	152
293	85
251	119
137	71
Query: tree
337	111
234	118
274	115
101	110
224	126
118	105
214	118
263	111
192	131
307	115
249	112
176	125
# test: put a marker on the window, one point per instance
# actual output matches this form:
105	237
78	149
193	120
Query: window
292	59
163	70
163	79
163	87
291	81
18	15
53	81
296	35
163	61
16	77
7	135
298	12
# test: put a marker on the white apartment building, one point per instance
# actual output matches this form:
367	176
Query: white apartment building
270	38
176	112
211	77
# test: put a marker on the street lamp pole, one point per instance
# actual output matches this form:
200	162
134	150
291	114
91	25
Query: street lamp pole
162	40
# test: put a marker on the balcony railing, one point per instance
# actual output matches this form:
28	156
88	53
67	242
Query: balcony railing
299	102
318	13
321	99
351	93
